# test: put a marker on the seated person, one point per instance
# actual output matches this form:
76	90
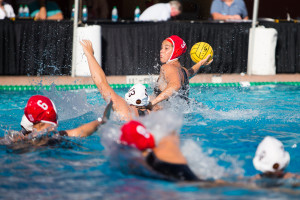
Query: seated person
271	159
6	10
161	11
43	9
40	117
136	99
228	10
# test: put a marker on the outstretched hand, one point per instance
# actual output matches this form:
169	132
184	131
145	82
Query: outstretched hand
193	70
205	61
87	47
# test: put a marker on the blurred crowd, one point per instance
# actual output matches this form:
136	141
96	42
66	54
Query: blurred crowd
152	10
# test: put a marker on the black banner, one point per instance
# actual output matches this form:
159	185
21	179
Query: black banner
45	47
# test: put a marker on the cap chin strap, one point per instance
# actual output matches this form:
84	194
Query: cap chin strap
172	59
169	39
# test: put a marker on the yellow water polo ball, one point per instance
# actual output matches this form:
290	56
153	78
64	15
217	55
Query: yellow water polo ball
200	51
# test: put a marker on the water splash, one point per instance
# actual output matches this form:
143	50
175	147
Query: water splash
207	167
162	123
71	104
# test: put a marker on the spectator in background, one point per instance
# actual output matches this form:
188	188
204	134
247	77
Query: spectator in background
228	10
6	10
161	11
43	9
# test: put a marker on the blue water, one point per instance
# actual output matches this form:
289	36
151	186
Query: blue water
219	138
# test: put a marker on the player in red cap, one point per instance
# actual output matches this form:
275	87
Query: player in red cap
40	115
136	100
164	157
173	77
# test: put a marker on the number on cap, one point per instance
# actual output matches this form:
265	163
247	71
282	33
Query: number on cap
44	106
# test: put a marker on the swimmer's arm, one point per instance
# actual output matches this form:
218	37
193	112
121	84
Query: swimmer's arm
173	84
256	177
291	175
84	130
97	73
193	70
99	78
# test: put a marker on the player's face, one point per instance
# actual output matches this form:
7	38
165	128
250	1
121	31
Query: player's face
165	51
174	12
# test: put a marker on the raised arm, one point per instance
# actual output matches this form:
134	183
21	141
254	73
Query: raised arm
172	77
99	78
97	73
193	70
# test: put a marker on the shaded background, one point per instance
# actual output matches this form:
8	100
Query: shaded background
29	47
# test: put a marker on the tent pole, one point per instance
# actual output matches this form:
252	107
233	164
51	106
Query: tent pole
75	25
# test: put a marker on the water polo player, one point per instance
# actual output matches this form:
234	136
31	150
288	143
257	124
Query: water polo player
163	156
40	117
136	99
271	159
174	78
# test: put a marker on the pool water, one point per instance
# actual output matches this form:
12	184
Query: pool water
221	130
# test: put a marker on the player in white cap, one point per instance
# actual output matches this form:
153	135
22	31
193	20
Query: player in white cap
136	100
271	159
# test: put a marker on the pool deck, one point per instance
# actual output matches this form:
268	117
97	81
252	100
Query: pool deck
200	78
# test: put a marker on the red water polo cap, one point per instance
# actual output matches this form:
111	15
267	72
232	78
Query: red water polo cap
40	109
135	134
179	47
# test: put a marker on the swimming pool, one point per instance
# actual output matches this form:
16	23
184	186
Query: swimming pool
219	139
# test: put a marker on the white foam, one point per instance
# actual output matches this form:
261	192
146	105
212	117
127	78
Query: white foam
162	123
201	164
71	104
207	167
236	114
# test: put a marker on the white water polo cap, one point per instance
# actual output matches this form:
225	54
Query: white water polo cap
137	95
270	152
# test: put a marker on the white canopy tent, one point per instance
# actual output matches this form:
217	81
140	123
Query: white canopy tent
252	38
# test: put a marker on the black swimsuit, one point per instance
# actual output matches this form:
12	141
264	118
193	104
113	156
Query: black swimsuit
177	172
183	91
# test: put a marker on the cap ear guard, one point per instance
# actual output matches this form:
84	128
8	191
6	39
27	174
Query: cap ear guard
26	124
